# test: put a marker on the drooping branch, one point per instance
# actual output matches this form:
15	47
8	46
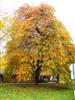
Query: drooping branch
3	36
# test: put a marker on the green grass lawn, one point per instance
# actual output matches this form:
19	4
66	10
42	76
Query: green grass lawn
51	91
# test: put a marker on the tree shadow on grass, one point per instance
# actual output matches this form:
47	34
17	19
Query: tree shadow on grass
51	86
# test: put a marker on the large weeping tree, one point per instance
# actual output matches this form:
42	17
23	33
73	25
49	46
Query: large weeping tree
39	42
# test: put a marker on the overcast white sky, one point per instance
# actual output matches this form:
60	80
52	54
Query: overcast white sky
65	10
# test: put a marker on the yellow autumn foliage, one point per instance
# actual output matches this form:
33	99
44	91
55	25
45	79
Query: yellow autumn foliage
39	41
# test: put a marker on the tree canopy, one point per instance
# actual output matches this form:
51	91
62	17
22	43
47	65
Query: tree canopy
39	42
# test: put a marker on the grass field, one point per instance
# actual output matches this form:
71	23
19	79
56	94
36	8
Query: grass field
51	91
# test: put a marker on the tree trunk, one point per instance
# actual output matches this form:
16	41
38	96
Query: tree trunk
37	72
58	76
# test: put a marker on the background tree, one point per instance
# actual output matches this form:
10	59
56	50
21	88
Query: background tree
4	38
39	42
